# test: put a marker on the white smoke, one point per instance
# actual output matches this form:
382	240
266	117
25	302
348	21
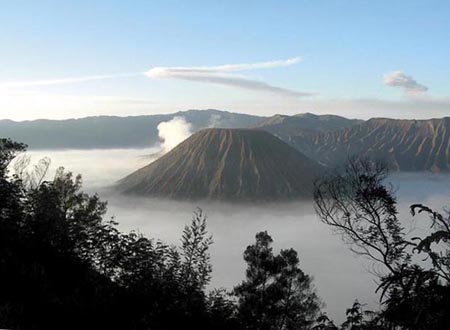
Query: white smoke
173	132
215	121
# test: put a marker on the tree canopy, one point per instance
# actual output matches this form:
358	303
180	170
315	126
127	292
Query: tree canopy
360	205
276	294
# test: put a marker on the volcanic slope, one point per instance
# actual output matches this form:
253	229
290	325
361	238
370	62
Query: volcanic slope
405	145
227	164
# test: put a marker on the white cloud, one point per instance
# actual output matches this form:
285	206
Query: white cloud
226	67
224	75
410	86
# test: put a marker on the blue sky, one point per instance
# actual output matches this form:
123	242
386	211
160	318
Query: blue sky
347	47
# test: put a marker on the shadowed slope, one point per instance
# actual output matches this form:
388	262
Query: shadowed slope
228	164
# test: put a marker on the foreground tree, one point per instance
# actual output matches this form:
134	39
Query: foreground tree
359	205
62	266
323	322
276	294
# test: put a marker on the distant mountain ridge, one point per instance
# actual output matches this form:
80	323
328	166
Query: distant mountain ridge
287	127
406	145
227	164
111	131
140	131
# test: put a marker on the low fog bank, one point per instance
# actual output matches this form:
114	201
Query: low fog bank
99	167
340	277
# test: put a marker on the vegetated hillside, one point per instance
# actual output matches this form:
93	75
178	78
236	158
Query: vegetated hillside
288	127
227	164
111	131
406	145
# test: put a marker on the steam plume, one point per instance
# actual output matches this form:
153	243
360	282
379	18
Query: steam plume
173	132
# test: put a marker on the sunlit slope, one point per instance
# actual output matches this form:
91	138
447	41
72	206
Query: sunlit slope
227	164
406	145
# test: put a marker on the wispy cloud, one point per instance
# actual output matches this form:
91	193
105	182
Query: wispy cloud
228	67
225	75
62	81
409	85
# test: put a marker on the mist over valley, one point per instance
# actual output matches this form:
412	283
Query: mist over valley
339	275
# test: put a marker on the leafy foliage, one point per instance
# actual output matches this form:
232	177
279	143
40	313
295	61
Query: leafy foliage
63	266
359	205
277	294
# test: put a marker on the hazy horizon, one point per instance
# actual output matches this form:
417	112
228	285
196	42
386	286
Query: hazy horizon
174	112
